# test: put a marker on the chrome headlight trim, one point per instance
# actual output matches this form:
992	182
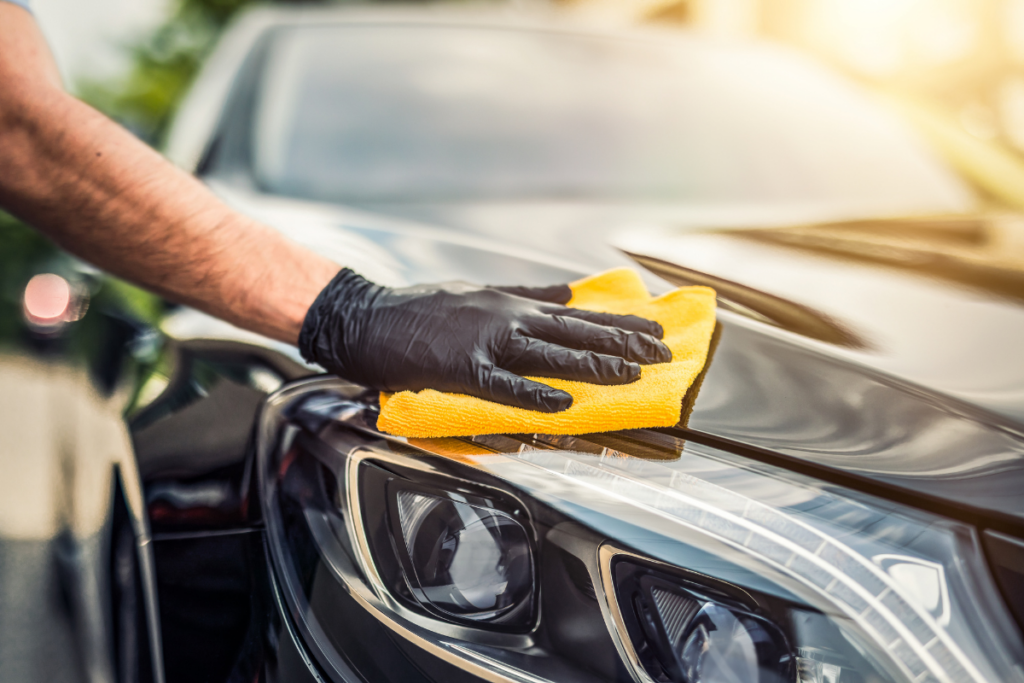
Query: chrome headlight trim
607	553
364	557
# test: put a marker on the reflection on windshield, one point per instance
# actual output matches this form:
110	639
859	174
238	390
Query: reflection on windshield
406	113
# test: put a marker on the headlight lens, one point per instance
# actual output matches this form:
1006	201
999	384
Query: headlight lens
697	638
464	560
719	648
540	558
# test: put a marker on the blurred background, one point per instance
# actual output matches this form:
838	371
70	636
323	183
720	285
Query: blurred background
955	63
953	69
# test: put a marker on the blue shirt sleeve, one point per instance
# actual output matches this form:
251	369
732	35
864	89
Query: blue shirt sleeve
20	3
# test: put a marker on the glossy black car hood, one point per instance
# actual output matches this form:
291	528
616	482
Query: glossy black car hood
938	302
890	351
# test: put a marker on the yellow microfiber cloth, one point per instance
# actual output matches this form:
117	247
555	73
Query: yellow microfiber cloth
687	315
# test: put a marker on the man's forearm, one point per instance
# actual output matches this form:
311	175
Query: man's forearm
106	197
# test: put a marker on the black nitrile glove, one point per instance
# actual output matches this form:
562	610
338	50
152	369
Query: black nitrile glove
461	338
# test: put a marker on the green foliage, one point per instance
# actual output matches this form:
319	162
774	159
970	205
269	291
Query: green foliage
130	300
23	251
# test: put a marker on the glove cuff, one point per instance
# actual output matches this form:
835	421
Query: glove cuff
322	329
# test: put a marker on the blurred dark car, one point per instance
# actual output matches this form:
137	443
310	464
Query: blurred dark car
842	500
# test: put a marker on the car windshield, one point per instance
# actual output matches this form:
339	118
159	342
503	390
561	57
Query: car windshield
386	112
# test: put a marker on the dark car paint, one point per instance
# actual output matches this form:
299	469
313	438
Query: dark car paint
817	387
865	409
938	302
75	598
191	444
763	393
220	610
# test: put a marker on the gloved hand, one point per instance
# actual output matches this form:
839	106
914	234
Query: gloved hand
461	338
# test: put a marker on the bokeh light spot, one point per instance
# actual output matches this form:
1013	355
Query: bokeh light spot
47	299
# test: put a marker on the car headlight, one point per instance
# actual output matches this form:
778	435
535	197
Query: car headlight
463	560
463	553
696	636
603	558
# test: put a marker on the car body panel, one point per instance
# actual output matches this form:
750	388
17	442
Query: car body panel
77	585
938	302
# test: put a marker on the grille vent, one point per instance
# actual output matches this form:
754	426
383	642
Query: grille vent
676	612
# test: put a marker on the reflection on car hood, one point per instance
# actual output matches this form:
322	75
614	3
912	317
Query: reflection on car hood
936	302
869	360
895	356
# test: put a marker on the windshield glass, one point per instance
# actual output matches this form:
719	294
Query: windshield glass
436	113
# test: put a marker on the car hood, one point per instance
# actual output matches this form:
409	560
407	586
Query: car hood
882	352
885	349
937	302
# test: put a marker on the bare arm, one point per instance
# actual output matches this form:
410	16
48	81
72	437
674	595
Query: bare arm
103	195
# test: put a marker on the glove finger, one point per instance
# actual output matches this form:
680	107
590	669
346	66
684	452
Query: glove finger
581	334
544	359
501	386
555	294
633	323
